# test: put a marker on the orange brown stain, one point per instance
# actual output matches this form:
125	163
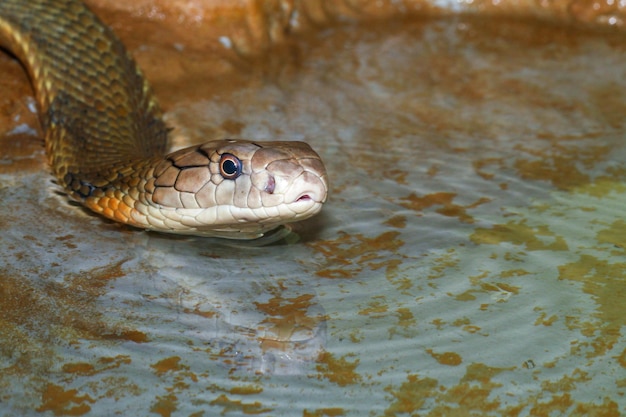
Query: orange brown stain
621	359
339	371
67	241
442	263
64	403
445	201
48	311
396	175
196	310
480	164
246	390
605	281
473	391
614	235
486	287
438	323
377	307
476	279
402	282
499	287
471	396
238	407
520	233
405	317
559	163
411	395
168	365
397	221
446	358
80	368
126	334
285	317
603	185
472	329
514	273
114	362
544	320
325	412
165	405
349	254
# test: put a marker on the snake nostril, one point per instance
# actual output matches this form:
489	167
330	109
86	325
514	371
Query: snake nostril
271	185
304	197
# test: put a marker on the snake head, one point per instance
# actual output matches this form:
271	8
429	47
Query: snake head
234	188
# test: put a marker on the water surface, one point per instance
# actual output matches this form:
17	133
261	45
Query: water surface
470	260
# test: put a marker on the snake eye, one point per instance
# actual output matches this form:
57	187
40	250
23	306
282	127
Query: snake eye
230	166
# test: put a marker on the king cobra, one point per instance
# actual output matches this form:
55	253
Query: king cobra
106	141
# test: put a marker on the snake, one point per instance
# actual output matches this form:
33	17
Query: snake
107	144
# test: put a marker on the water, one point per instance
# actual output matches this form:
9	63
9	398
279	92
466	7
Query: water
470	260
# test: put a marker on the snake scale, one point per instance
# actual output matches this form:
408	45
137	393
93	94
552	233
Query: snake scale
106	141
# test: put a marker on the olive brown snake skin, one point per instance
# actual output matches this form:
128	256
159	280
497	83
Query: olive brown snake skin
106	142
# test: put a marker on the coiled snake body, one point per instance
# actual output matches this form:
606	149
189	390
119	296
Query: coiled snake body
106	142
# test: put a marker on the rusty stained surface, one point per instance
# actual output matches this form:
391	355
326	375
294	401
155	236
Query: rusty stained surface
471	259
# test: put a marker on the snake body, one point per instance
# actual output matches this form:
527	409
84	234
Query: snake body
106	141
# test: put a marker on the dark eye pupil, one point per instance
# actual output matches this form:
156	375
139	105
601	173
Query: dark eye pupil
230	167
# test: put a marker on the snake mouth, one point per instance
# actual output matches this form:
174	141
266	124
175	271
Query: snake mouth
313	190
310	196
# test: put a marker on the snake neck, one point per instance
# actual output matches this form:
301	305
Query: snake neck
117	192
94	103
